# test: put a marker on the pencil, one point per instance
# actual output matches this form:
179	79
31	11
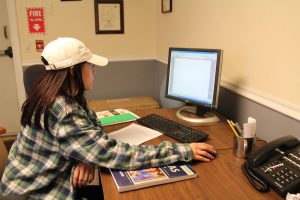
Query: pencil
236	134
238	129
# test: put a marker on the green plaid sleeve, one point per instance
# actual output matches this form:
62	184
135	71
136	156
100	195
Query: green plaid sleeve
81	140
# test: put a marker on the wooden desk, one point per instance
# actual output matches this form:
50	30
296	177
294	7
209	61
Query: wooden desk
220	179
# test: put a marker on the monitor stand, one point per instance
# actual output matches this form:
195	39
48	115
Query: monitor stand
196	115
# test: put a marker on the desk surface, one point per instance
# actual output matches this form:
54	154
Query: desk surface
221	178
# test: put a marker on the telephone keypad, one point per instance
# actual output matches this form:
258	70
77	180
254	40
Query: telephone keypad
280	173
283	177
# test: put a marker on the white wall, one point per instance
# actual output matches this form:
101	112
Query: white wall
260	39
77	19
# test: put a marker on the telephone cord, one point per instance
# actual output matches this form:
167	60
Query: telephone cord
254	180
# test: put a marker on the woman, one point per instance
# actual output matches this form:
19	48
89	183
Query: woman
59	133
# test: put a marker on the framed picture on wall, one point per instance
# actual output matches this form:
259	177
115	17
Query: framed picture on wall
109	16
166	6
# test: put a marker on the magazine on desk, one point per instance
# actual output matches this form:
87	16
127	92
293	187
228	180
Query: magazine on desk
115	116
136	179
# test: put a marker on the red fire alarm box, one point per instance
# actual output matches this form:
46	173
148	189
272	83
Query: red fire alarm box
39	45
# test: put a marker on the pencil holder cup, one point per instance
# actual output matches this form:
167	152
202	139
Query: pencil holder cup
243	147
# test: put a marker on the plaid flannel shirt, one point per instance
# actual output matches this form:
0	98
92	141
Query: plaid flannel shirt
40	162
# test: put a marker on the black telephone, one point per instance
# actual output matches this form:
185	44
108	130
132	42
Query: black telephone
275	165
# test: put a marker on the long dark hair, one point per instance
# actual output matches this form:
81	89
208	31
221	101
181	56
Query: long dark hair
54	83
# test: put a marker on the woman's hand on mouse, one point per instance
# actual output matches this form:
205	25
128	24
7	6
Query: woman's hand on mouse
203	152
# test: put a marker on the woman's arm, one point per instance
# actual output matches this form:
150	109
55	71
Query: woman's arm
80	139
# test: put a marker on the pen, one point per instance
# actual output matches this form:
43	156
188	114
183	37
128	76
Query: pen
236	134
238	128
235	127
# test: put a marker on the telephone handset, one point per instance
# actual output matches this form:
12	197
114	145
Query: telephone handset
275	165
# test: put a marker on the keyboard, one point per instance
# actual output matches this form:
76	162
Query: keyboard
173	129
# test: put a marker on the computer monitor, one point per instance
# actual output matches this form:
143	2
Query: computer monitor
194	78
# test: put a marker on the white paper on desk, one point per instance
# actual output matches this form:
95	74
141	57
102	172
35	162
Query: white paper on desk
249	128
134	134
293	196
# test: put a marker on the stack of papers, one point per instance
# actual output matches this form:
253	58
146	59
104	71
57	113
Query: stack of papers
134	134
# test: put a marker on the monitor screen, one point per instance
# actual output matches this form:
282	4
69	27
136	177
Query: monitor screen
194	75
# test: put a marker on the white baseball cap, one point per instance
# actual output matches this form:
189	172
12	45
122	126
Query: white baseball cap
65	52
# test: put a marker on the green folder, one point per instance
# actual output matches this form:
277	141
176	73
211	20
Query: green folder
127	117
